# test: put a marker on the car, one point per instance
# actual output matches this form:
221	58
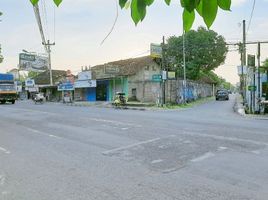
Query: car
222	95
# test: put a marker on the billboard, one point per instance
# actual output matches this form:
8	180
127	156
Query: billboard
32	62
156	50
82	76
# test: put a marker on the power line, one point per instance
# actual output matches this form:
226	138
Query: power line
251	15
115	21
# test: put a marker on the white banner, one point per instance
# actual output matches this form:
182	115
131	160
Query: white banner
85	84
82	76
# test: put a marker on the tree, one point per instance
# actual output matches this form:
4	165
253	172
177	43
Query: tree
205	50
32	74
207	9
1	57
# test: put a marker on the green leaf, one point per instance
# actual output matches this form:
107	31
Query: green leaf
149	2
224	4
122	3
190	5
199	8
168	2
188	19
57	2
209	11
141	9
127	5
135	12
34	1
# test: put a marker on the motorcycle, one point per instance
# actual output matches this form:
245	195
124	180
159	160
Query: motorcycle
120	100
39	98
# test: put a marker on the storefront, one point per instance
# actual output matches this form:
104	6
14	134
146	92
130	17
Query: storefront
67	90
85	87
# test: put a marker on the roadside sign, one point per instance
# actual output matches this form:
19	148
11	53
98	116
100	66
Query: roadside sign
171	75
66	87
83	76
157	78
251	60
111	69
85	84
252	88
241	69
164	75
156	50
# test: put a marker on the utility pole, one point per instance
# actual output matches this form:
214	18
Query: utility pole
163	69
47	46
259	75
244	61
184	69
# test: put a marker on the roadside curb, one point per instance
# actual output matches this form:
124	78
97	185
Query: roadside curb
104	106
240	109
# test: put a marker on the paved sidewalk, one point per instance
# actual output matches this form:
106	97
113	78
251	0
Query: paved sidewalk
240	109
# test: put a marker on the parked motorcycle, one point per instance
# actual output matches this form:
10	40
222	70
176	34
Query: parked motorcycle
120	100
39	98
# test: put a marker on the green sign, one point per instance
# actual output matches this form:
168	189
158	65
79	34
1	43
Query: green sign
157	78
252	88
251	60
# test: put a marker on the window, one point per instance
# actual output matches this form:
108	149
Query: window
147	68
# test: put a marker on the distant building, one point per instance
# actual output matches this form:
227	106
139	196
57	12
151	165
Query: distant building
131	76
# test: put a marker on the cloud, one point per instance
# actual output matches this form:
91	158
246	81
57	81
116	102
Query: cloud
238	2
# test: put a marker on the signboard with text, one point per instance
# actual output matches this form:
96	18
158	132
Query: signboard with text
87	75
157	78
32	62
66	87
171	75
156	50
85	84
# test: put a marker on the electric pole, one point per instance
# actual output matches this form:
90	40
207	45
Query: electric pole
244	62
259	75
163	71
184	70
47	46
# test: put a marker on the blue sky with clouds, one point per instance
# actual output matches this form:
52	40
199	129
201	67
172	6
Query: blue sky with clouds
81	25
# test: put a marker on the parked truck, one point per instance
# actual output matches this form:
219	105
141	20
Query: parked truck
8	91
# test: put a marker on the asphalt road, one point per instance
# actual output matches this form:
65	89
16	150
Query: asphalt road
56	152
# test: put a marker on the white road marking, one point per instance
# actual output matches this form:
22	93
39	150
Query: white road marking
2	180
203	157
218	137
34	130
256	152
54	136
157	161
222	148
4	150
114	122
134	145
40	132
5	193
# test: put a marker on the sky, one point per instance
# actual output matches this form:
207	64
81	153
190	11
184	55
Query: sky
79	26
